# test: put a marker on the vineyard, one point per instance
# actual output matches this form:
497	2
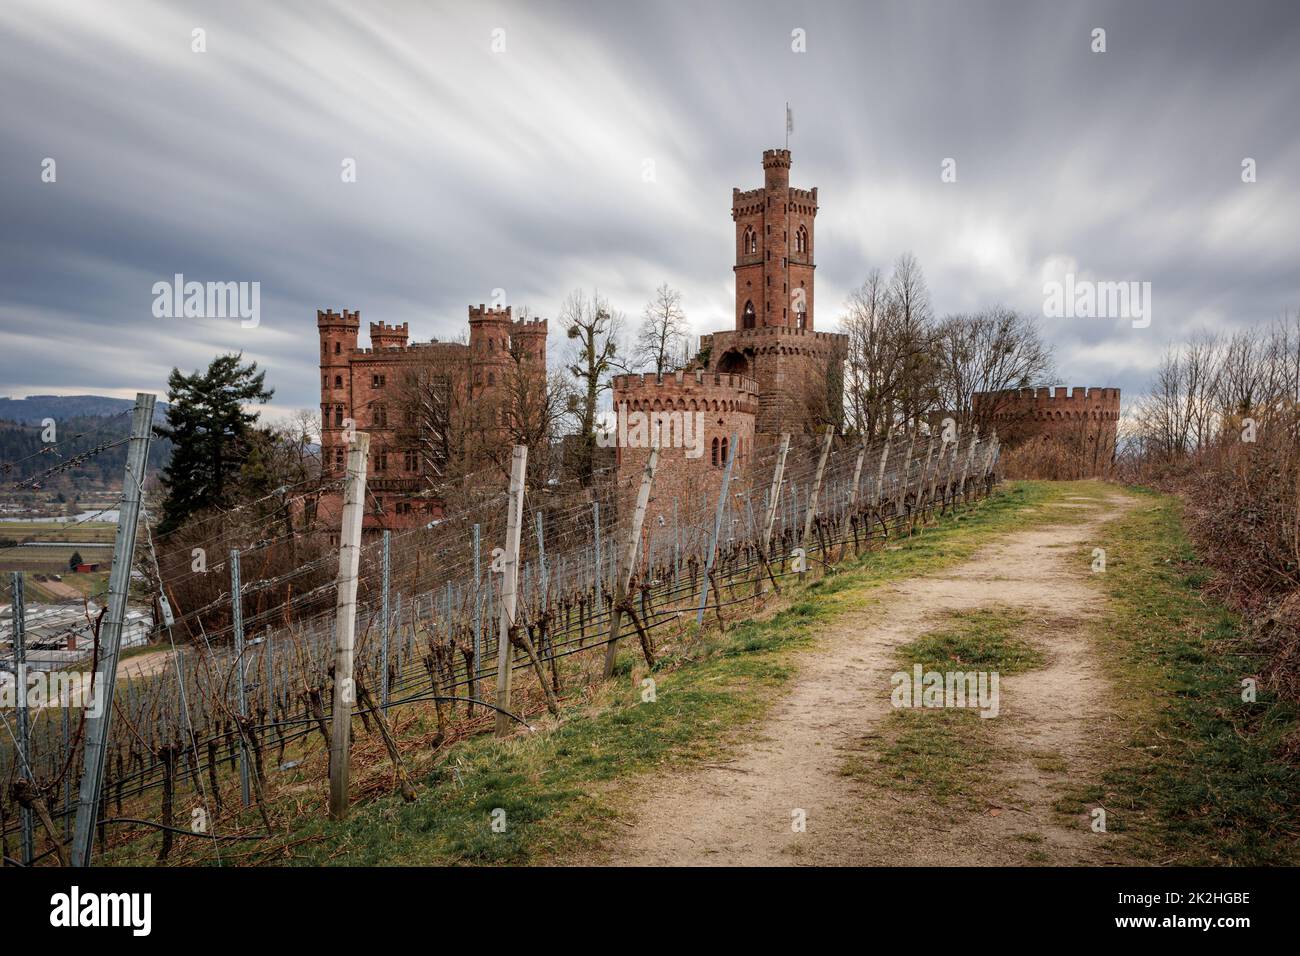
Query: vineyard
235	704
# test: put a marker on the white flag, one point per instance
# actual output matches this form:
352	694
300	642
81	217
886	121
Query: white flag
789	119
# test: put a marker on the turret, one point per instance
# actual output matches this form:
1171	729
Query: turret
383	336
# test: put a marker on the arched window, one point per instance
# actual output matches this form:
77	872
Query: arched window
801	319
714	459
749	244
801	240
338	381
337	348
748	318
724	450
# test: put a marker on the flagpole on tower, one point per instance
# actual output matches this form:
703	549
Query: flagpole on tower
789	124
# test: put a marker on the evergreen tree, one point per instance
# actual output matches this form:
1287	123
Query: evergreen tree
74	560
211	435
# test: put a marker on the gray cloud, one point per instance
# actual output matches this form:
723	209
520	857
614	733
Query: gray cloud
522	170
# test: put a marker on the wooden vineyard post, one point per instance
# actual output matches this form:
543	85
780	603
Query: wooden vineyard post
773	503
345	622
509	585
629	563
925	475
970	458
989	457
857	476
717	532
816	488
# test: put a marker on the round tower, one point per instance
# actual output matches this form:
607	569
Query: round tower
489	347
1084	419
384	336
693	417
529	337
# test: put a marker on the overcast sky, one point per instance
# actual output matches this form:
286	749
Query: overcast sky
523	169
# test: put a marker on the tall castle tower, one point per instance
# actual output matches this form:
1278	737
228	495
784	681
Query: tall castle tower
489	348
338	340
774	249
797	369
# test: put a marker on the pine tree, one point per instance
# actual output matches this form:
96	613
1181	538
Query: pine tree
211	435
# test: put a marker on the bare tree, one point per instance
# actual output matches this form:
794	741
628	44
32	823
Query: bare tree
992	351
593	330
911	297
881	351
433	417
663	331
528	407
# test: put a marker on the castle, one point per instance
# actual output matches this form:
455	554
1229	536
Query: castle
1084	421
405	395
771	373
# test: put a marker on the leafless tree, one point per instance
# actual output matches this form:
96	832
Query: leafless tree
876	358
593	329
993	351
663	331
910	296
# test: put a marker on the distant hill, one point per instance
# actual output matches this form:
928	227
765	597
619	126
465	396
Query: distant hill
32	409
83	422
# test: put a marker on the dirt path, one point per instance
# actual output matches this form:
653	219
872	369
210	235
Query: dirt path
740	812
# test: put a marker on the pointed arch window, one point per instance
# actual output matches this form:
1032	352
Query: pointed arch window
801	240
714	459
748	319
749	243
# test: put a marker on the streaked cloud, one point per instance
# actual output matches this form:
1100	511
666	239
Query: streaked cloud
524	169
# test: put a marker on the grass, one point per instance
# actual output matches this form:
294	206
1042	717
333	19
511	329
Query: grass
100	531
1199	776
558	789
948	753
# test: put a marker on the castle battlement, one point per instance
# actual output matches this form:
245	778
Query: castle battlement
1057	396
1046	404
781	331
649	380
485	314
329	317
385	336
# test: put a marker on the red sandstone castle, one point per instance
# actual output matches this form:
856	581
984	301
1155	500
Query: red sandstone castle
771	373
405	396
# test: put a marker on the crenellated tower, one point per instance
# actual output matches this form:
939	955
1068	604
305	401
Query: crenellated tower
797	369
774	249
489	347
385	336
338	340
